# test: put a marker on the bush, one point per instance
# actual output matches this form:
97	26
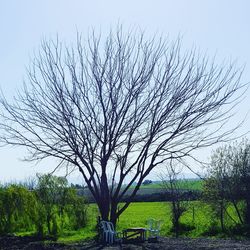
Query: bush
147	182
212	230
55	228
76	209
17	206
48	209
183	228
59	201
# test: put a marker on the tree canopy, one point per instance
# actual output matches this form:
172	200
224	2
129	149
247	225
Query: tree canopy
229	178
119	105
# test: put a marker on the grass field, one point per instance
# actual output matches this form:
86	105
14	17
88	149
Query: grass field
157	187
183	184
199	220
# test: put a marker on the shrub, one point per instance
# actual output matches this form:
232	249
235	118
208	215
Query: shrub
17	206
48	209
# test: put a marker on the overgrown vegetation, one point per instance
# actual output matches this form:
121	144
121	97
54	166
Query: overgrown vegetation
52	208
48	210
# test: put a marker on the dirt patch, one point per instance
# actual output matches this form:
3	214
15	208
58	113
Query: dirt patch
27	242
32	243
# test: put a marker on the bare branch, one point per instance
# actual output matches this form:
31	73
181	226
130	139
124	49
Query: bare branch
120	105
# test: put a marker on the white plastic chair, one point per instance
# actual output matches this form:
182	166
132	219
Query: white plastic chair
105	231
112	233
154	227
109	235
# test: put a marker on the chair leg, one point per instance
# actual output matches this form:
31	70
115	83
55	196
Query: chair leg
112	238
107	238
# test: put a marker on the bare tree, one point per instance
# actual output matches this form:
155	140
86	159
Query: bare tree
119	106
171	182
229	180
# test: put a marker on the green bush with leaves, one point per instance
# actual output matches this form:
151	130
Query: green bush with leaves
47	210
76	209
61	205
17	209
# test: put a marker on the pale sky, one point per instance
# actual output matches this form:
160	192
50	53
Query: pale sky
214	26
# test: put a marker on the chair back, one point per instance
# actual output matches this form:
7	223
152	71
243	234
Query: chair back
150	223
154	224
110	227
104	225
158	224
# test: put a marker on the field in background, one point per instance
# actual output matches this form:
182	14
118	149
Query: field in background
156	191
190	184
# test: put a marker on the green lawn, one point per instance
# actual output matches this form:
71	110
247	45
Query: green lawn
199	219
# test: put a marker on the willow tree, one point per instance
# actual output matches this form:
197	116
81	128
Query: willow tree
116	107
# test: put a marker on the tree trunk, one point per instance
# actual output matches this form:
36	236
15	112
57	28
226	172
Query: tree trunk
175	219
104	210
247	213
177	229
113	213
237	211
104	203
222	216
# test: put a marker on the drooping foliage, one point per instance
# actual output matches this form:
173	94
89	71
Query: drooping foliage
47	210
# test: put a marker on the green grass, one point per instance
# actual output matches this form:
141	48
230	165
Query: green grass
183	184
137	214
199	217
77	236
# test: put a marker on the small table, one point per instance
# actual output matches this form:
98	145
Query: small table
137	234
